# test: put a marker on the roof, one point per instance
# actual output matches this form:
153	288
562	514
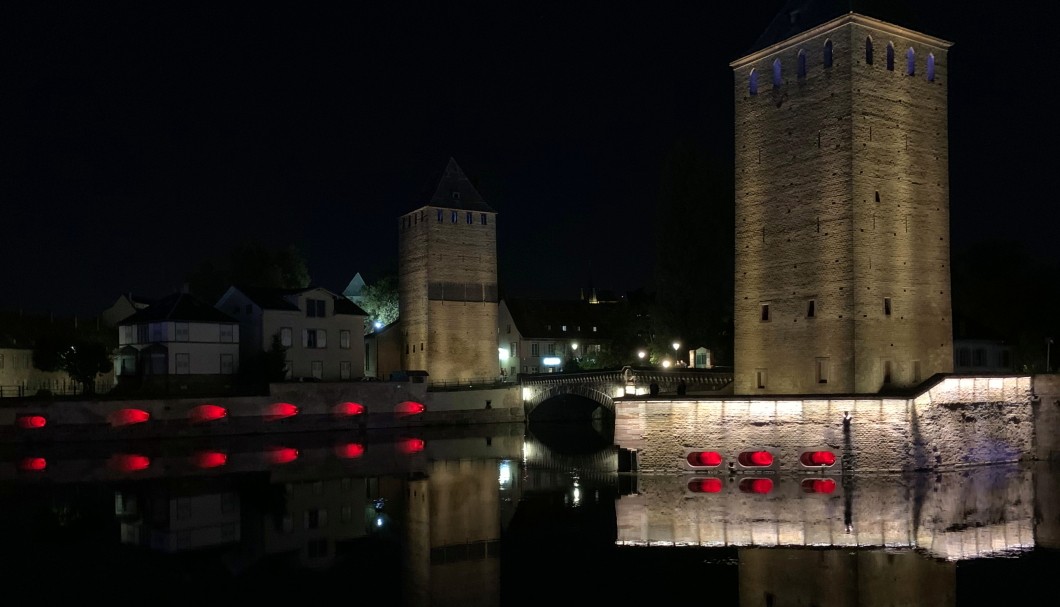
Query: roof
178	306
542	318
276	299
455	191
356	286
798	16
345	306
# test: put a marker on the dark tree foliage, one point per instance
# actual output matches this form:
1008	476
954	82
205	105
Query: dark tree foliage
694	253
251	264
82	358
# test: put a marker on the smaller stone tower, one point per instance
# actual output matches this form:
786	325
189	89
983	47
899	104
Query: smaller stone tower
447	270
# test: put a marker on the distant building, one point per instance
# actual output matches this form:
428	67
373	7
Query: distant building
179	343
125	306
447	277
323	333
355	290
382	351
544	336
842	205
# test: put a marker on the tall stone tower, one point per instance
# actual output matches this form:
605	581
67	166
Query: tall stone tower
447	270
842	206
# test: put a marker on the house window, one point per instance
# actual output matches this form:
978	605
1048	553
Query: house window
533	349
822	370
760	378
594	329
887	306
314	338
228	364
158	331
317	369
288	369
314	308
344	339
182	331
563	328
285	337
513	348
227	334
482	218
344	369
183	363
142	334
811	309
551	348
765	312
509	329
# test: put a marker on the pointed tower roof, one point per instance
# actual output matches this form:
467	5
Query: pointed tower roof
455	191
798	16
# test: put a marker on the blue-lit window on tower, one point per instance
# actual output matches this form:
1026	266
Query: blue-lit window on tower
441	214
776	73
931	67
452	217
802	64
910	62
470	218
828	53
890	57
868	50
752	82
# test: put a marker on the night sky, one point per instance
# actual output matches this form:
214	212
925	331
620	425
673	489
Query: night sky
142	138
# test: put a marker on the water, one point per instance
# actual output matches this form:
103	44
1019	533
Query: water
492	515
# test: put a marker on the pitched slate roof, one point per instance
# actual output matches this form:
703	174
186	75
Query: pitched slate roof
455	191
178	306
276	299
798	16
542	318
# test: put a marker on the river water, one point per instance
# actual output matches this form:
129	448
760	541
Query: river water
503	514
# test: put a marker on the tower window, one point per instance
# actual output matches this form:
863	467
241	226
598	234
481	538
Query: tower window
482	218
441	214
916	371
931	67
886	371
752	82
760	378
887	306
470	218
890	57
821	370
801	62
765	312
910	62
452	217
811	309
868	50
776	73
456	195
877	195
828	53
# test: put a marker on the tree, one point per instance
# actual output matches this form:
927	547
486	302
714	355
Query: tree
276	360
83	359
380	300
251	264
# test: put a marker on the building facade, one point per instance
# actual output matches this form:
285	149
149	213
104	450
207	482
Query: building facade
447	276
546	336
842	208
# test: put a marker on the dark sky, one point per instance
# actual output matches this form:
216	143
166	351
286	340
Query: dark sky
142	138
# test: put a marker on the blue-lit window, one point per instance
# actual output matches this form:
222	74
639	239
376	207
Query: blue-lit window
752	82
470	218
868	50
776	73
440	215
802	64
890	57
910	62
828	53
931	67
452	217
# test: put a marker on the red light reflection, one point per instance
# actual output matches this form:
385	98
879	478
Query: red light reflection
408	407
280	411
705	485
32	464
210	459
207	413
348	409
349	450
31	422
129	462
756	485
281	455
410	446
128	417
704	458
818	485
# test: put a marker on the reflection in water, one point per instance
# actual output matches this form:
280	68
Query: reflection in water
495	515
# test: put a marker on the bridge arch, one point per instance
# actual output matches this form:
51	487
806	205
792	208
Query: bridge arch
605	405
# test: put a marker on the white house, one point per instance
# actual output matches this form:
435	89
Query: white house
323	333
542	336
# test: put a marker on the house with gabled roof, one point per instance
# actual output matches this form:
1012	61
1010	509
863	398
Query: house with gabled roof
178	343
322	332
544	336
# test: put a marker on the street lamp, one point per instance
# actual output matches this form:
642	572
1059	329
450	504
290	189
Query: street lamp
641	354
1048	346
677	346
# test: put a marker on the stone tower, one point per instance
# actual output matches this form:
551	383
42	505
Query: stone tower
842	206
447	269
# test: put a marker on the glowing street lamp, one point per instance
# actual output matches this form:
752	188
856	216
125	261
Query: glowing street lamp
677	346
641	354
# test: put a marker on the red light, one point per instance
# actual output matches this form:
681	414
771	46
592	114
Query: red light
281	411
348	409
408	408
817	458
756	458
756	485
129	462
282	455
705	485
32	464
128	417
704	458
31	422
411	445
818	485
207	413
210	459
349	450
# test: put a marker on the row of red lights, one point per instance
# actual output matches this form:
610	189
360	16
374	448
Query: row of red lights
209	412
135	462
759	485
758	459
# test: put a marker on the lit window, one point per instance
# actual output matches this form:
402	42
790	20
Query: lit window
910	62
828	53
776	73
470	218
452	217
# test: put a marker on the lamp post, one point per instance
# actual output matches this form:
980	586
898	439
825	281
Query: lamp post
677	346
641	354
1048	347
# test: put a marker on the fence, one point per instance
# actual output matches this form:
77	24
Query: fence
65	388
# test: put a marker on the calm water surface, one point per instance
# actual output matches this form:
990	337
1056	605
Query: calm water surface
504	515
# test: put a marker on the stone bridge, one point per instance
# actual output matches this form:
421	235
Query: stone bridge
543	392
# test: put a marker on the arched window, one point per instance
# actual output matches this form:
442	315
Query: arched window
752	82
868	50
931	67
802	64
828	53
910	62
890	57
776	73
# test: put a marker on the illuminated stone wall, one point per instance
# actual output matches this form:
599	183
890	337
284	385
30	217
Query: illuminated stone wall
959	421
812	155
